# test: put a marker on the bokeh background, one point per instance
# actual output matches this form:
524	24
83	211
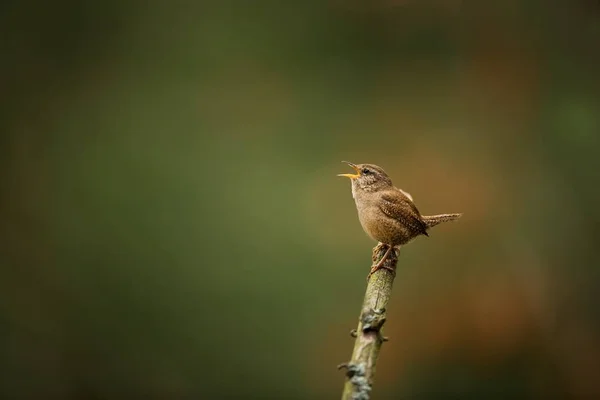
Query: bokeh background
172	227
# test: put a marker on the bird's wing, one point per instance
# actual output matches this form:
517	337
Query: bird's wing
395	204
406	194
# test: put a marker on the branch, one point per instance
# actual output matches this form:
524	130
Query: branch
360	371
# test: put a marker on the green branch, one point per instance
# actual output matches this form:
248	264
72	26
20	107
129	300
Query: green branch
360	371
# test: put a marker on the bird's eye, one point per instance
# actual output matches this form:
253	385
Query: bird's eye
366	171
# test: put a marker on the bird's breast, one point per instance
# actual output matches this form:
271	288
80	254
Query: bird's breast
381	227
371	218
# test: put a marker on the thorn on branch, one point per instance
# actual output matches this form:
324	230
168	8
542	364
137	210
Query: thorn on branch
353	333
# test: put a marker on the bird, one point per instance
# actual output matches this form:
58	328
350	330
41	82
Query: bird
388	214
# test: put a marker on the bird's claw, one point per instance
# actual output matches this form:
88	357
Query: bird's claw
382	263
376	268
376	251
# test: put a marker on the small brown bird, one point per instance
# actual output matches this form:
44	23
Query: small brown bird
386	213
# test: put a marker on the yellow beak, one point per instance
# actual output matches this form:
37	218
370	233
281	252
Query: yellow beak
351	176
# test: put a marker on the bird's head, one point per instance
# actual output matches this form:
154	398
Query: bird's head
368	177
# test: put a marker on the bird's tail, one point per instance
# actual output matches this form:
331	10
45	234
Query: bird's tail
433	220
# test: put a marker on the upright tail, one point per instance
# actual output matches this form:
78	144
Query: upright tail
433	220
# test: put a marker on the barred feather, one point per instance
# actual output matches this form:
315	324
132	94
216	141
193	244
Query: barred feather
433	220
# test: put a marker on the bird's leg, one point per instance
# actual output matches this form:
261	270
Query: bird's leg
376	251
381	263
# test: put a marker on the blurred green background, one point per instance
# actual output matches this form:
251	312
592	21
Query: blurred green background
172	226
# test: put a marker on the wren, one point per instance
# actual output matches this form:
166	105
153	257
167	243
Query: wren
387	213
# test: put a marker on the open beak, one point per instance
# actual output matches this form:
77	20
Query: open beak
351	176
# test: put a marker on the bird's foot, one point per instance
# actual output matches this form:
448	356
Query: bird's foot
376	250
376	268
381	264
